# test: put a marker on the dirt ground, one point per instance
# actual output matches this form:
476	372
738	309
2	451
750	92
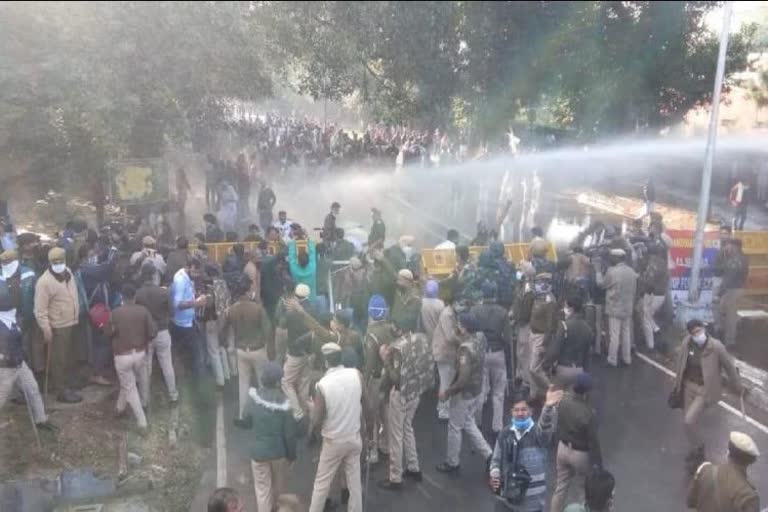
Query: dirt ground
88	438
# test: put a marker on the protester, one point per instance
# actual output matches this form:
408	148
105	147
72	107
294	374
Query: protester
14	372
272	443
185	334
431	307
131	328
378	233
149	253
283	225
578	450
155	299
340	406
465	393
177	258
451	240
329	224
724	487
57	310
519	462
698	385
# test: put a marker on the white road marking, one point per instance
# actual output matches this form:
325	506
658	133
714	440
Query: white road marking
221	444
722	404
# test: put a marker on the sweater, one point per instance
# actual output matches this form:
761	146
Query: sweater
56	302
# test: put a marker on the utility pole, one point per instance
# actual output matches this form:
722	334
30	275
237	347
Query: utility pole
709	155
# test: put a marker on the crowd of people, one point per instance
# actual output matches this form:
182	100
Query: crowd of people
521	336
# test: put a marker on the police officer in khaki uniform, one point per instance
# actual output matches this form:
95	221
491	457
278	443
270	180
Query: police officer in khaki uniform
724	487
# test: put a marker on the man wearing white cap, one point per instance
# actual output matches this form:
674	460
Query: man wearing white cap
620	284
339	405
724	487
149	253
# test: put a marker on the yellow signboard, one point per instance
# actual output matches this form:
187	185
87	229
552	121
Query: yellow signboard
753	242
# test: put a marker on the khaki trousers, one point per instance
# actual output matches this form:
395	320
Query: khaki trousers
295	383
380	406
726	315
695	407
572	468
23	378
651	304
523	356
620	330
538	379
268	482
161	346
281	344
401	437
134	383
337	453
463	420
249	363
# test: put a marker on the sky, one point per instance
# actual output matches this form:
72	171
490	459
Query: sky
743	12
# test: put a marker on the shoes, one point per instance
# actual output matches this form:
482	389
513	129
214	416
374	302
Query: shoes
99	381
389	485
69	397
413	475
444	467
47	426
344	496
383	454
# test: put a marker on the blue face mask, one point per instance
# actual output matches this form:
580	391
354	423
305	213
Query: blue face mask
522	425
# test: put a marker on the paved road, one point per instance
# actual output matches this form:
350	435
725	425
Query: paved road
643	445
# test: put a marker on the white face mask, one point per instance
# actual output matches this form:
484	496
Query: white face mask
58	268
700	338
10	268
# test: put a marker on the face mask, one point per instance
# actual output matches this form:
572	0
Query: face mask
567	312
700	339
522	424
541	288
408	252
58	268
10	268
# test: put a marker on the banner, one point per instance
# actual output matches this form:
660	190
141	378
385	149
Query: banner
138	181
681	263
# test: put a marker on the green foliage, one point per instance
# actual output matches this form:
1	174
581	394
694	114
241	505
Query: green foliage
81	82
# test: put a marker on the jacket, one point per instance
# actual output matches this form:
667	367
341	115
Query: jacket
18	292
430	316
533	447
254	274
470	364
156	300
379	333
130	327
655	278
714	358
176	260
577	426
444	340
620	285
410	366
543	315
492	320
571	344
250	325
273	428
56	302
724	482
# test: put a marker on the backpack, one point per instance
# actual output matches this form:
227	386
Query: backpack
99	313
